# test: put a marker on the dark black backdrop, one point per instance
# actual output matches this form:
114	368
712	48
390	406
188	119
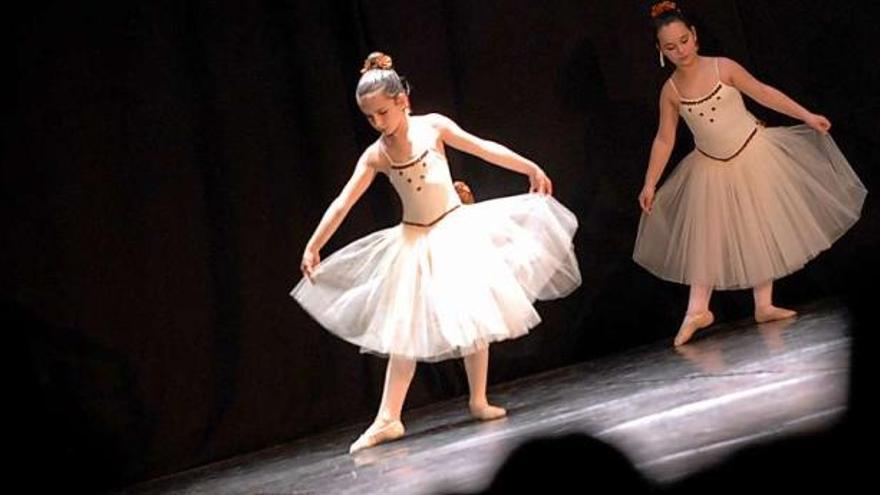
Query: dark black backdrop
165	162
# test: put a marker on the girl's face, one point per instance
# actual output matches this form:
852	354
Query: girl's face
383	112
677	42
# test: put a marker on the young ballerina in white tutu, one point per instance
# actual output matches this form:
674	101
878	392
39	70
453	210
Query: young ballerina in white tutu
449	279
750	204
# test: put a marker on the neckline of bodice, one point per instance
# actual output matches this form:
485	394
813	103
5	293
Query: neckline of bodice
409	162
696	101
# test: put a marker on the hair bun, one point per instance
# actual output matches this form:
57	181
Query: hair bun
377	60
661	8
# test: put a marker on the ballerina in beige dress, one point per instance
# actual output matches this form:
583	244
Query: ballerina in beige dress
450	278
750	204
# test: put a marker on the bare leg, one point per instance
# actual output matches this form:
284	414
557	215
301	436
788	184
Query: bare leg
764	309
698	300
387	425
697	316
477	367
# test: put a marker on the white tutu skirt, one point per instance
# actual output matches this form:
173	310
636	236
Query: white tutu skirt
785	198
433	293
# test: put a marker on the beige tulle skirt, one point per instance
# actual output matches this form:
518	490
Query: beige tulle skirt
433	293
785	198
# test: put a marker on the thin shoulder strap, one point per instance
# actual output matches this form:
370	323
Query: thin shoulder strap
674	87
717	72
384	153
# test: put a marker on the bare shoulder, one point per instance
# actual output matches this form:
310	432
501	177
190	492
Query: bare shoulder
372	157
668	93
441	128
437	121
727	67
725	62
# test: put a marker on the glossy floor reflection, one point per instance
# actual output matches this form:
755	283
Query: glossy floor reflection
673	412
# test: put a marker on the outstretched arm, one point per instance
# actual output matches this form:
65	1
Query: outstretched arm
358	183
492	152
769	96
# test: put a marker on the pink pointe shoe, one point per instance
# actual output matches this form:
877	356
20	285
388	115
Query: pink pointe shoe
486	412
691	324
772	313
375	436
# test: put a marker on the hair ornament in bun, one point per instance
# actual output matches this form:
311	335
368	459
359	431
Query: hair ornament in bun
377	60
661	8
